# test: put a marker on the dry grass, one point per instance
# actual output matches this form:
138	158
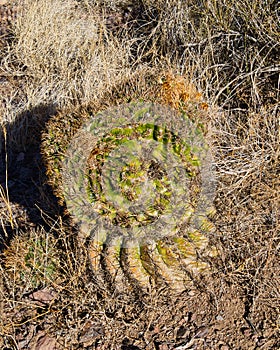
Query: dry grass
63	61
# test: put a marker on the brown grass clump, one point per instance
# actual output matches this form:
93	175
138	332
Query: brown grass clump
63	56
61	62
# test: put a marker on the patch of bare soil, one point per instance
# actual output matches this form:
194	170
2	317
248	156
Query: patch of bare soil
214	315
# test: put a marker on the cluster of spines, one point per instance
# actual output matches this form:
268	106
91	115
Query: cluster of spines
172	261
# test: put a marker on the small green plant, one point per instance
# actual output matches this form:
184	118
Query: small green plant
32	260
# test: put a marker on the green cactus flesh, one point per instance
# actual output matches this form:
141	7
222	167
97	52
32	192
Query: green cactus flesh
137	180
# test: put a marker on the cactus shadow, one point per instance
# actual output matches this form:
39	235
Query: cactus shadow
26	199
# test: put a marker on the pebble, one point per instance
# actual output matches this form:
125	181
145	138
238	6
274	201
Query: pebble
219	318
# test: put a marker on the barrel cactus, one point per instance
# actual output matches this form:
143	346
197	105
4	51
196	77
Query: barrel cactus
138	181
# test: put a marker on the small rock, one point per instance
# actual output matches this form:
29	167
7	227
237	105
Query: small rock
219	318
43	296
